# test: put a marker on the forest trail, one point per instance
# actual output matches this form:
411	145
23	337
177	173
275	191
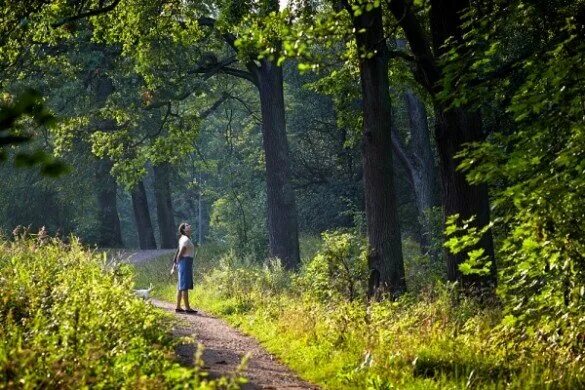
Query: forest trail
139	256
225	347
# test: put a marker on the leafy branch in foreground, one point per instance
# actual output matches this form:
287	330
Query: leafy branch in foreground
13	117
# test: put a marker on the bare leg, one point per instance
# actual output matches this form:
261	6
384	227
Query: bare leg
186	299
179	293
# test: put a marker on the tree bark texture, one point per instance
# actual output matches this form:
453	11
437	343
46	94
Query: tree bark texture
109	231
419	163
164	206
385	258
425	175
456	127
283	233
142	217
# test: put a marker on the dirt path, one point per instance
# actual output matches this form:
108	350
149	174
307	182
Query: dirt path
225	347
140	256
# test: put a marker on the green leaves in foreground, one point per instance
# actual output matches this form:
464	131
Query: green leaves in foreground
27	109
69	319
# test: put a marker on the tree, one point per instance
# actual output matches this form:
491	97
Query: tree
142	217
455	125
266	75
164	206
385	258
419	162
523	64
110	233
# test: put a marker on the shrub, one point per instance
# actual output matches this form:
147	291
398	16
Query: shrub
339	270
432	337
69	319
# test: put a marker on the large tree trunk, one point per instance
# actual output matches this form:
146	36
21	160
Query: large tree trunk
454	128
109	231
164	206
385	258
142	217
283	233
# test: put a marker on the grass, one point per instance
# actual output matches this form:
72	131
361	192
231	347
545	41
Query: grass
423	341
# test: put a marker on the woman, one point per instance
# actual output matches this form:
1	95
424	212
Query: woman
183	262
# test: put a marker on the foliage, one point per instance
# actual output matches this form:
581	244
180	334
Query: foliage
432	340
68	318
13	131
535	160
339	270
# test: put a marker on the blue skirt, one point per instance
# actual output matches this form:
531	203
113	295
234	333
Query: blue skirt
185	271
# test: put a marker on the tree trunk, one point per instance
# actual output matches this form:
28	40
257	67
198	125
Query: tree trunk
142	217
109	231
385	258
454	128
164	206
425	175
200	211
283	233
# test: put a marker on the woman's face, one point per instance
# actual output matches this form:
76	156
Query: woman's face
188	229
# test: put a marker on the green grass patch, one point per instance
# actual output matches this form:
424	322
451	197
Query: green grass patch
426	340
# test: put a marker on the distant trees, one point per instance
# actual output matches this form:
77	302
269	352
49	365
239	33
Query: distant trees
418	160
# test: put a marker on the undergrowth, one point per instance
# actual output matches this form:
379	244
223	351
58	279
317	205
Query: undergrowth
69	319
328	333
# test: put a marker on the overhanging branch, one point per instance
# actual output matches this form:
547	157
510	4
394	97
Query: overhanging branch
86	14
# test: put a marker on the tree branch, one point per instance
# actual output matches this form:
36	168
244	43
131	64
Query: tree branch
399	150
228	37
239	73
402	54
214	106
430	73
87	14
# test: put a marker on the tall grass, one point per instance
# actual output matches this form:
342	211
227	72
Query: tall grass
69	319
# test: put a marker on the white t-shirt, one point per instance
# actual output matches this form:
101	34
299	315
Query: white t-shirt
185	242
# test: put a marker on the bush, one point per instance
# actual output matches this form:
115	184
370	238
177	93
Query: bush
339	270
69	319
431	337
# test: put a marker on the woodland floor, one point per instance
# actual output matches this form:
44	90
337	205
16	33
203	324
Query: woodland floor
224	347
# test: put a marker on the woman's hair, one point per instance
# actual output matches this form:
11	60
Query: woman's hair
182	229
